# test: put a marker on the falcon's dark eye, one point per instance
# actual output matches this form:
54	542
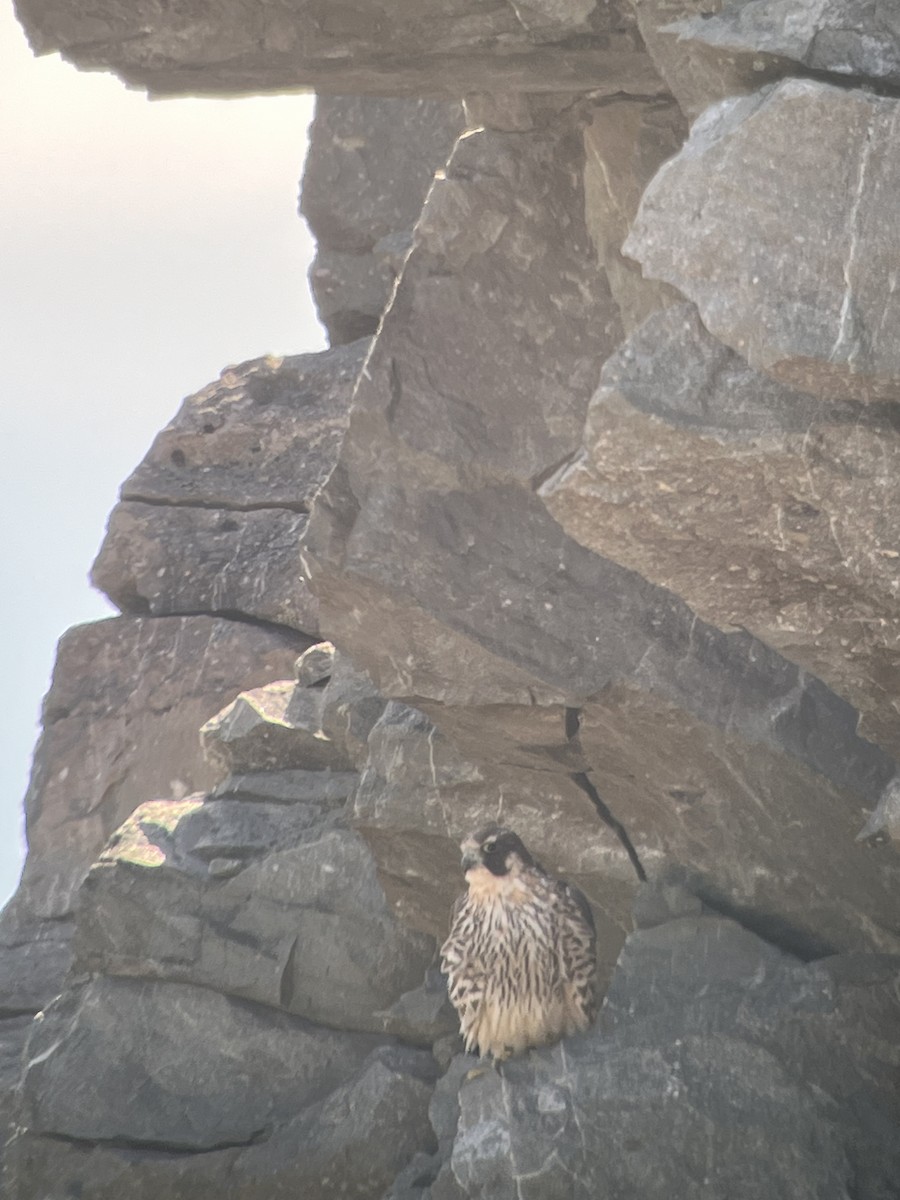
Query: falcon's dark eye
490	846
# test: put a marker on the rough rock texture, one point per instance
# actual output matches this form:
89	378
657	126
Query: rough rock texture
369	167
422	47
211	519
359	1135
164	559
418	547
729	488
625	144
188	1041
209	1093
272	902
817	309
601	527
120	725
767	1076
468	420
737	48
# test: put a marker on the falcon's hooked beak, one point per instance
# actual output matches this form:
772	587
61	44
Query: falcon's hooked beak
471	854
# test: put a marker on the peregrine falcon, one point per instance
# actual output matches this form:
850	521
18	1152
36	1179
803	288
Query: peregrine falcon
520	958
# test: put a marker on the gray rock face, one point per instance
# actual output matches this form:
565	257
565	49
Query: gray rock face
164	559
707	50
803	291
277	727
113	736
13	1035
87	778
149	1082
625	144
204	1092
247	910
264	435
356	1139
481	409
211	519
728	488
859	38
35	954
738	1051
369	167
602	527
441	572
421	48
696	74
315	665
275	903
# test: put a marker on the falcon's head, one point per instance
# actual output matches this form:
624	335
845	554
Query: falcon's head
497	850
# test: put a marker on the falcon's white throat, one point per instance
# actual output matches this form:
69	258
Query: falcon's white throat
485	885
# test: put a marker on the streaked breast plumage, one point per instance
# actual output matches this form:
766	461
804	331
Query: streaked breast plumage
520	958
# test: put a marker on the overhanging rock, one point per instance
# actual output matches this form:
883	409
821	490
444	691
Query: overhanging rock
422	47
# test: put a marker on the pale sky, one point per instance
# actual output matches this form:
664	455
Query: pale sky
143	247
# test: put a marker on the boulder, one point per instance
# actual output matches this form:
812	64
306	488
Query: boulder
469	420
264	435
780	240
162	559
169	1065
353	1140
315	665
540	663
211	519
114	735
271	902
276	727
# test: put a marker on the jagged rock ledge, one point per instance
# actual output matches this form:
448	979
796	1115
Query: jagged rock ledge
607	556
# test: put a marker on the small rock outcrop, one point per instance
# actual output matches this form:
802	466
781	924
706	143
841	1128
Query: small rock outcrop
594	499
709	1037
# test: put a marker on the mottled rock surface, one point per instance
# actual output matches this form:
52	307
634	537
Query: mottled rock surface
369	167
120	725
211	519
190	1043
422	47
467	421
749	40
781	242
731	489
164	559
441	572
625	144
113	738
749	1060
601	525
356	1137
277	903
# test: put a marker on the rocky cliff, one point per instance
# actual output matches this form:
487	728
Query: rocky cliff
594	498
